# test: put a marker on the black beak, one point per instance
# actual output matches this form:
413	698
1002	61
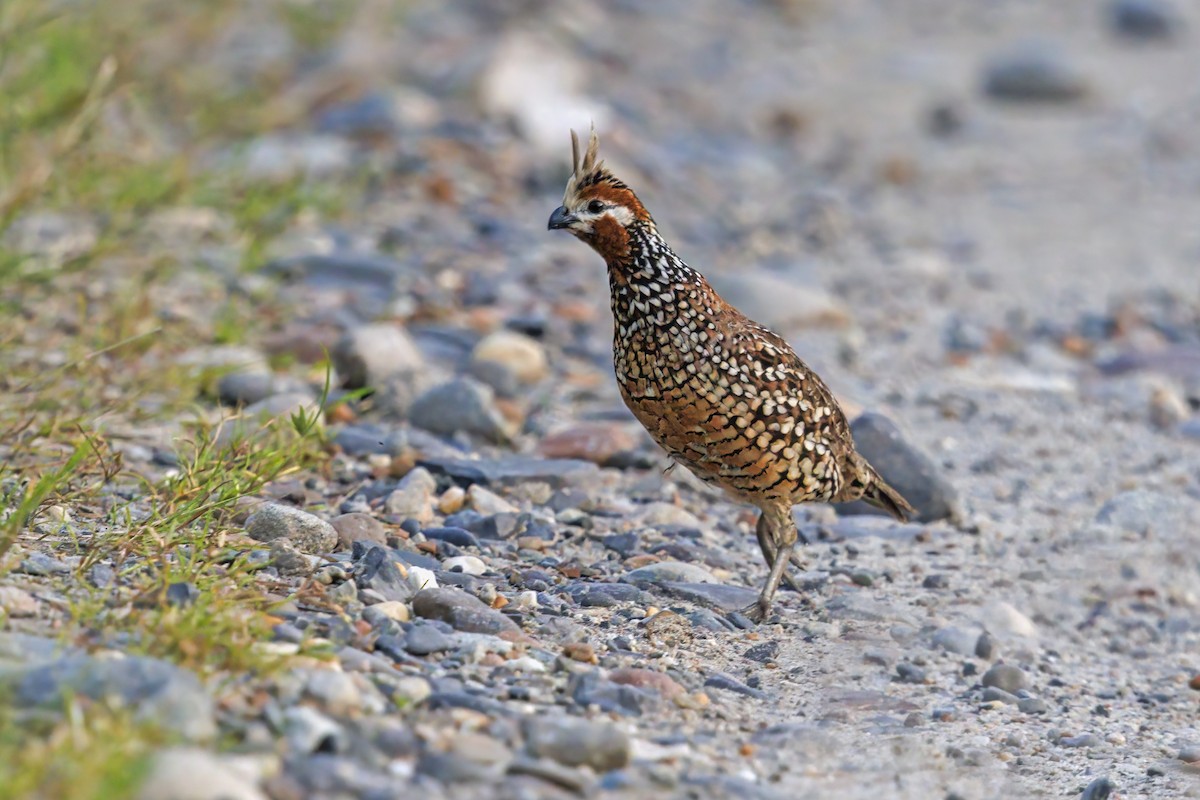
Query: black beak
561	218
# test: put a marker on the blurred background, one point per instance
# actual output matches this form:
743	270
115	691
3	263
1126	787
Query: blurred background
912	183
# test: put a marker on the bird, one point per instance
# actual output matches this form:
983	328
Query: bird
723	395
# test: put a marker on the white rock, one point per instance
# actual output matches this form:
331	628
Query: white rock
1003	619
534	82
420	578
188	773
471	565
487	502
522	355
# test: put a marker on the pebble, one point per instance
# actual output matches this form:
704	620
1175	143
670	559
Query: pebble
1007	677
956	640
993	694
1140	511
1190	754
731	684
420	578
986	646
421	640
310	534
509	471
521	355
157	692
487	502
190	773
1082	740
781	303
577	742
669	572
655	681
1032	705
1001	617
469	565
377	571
1033	72
17	602
713	595
42	565
309	731
337	692
243	388
1099	789
413	497
288	560
1144	19
907	469
462	611
358	527
461	405
389	609
910	673
459	537
602	443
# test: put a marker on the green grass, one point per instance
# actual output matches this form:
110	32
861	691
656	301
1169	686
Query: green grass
109	114
88	752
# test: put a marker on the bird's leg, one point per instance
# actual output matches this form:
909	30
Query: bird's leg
762	531
781	531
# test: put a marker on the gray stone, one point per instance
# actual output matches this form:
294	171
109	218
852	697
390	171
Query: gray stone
781	302
577	742
1099	789
470	758
461	405
42	564
905	468
720	680
992	693
986	646
413	497
1082	740
421	640
669	572
715	595
1007	677
189	773
308	731
336	691
1033	72
910	673
956	640
309	533
548	770
358	527
1144	19
158	692
1140	511
462	611
16	602
281	156
377	571
371	355
288	560
514	471
245	388
1032	705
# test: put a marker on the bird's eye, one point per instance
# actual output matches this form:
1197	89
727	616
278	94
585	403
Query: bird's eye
595	207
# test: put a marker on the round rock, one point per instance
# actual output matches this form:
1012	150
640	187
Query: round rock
1007	677
309	533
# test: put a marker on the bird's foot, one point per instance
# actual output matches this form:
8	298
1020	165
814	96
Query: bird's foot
758	611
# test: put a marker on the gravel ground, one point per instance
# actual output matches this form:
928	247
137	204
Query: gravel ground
977	221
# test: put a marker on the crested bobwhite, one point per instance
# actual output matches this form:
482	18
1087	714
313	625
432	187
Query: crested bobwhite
723	395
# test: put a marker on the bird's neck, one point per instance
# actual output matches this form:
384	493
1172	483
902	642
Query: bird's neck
647	260
648	280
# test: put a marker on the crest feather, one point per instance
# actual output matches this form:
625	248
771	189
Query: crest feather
588	170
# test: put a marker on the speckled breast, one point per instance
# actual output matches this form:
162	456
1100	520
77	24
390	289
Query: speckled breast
732	418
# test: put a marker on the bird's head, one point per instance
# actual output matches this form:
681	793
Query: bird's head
597	207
